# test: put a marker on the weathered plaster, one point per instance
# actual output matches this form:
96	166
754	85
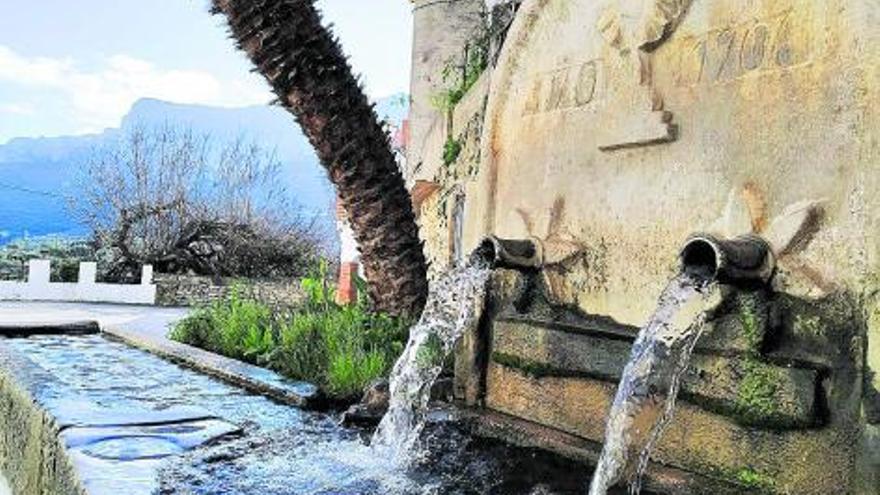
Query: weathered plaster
613	130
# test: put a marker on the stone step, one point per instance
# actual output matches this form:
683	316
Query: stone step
749	391
806	462
657	478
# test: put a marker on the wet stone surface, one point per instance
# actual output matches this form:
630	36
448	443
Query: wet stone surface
96	378
136	424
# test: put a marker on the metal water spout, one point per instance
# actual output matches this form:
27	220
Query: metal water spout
745	259
511	253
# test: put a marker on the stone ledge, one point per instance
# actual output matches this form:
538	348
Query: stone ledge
85	327
695	441
31	455
251	378
724	385
523	433
82	447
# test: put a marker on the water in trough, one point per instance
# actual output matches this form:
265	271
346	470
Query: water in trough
282	449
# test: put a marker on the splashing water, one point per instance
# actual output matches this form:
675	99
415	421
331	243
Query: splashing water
454	305
645	399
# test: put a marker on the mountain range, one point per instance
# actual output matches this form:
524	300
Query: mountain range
37	175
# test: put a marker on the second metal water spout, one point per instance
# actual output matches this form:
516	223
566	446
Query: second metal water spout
745	259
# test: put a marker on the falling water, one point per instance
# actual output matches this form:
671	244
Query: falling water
646	395
4	486
454	305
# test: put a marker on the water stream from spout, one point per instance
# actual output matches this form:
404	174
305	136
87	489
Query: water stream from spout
4	486
645	399
454	305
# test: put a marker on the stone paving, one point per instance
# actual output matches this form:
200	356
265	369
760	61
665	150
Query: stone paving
147	320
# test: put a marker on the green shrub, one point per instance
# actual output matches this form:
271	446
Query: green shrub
339	348
461	72
198	329
451	150
349	373
237	327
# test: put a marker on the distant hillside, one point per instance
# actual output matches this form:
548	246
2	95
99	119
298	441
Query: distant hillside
37	174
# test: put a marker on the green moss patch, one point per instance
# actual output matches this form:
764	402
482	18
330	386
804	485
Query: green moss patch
753	325
755	480
531	368
756	395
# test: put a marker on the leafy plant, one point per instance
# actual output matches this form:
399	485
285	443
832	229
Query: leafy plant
451	151
462	72
340	348
319	293
237	327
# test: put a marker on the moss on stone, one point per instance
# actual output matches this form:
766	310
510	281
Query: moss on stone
756	394
755	480
751	322
749	479
531	368
808	325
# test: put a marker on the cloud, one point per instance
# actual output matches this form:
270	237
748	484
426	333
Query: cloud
17	109
100	97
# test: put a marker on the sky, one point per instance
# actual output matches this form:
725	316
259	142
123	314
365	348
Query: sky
70	67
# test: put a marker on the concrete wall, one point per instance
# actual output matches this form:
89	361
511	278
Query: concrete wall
39	288
770	105
441	30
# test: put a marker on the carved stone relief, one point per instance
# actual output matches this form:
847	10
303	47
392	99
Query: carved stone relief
632	30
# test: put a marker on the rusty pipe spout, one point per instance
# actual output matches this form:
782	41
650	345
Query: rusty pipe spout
510	253
742	260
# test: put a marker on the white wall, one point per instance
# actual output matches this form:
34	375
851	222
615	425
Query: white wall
86	289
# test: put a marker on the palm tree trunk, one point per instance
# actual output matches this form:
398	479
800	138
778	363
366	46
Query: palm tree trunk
308	72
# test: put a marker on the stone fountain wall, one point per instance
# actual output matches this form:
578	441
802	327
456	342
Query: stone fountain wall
611	131
769	402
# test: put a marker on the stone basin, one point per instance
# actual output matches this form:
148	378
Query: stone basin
104	418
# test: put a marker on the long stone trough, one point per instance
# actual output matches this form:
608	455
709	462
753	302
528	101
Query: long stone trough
81	414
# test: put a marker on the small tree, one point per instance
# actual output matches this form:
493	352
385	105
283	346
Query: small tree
185	204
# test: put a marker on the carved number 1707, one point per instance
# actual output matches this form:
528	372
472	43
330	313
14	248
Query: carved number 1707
731	52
